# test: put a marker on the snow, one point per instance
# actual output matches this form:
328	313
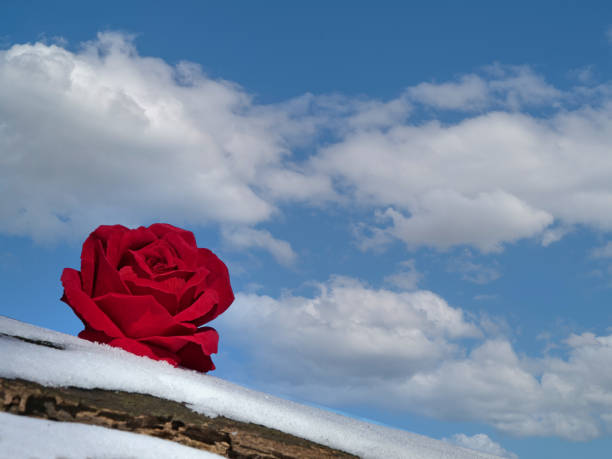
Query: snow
90	365
21	436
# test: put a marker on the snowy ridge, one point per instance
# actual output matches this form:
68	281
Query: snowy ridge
89	365
32	438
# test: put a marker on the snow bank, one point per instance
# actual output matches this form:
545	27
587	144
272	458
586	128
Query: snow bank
89	365
21	436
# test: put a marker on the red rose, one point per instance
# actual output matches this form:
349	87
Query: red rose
147	290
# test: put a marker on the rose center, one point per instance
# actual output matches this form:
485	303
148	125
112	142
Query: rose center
159	265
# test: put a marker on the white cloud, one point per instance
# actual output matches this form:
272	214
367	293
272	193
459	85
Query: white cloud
510	87
104	135
585	74
407	278
470	92
519	86
411	351
472	271
244	238
484	181
443	218
555	234
480	442
347	331
91	134
604	251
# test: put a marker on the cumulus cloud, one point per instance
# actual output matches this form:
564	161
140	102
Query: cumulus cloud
347	332
407	278
470	92
511	87
411	351
106	135
486	180
480	442
244	238
444	218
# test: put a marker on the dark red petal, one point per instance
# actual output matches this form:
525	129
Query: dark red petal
94	335
146	350
112	245
172	343
108	237
207	338
140	316
134	239
105	232
187	252
88	264
192	356
139	264
161	229
193	288
159	249
183	274
166	297
85	307
218	280
107	278
203	306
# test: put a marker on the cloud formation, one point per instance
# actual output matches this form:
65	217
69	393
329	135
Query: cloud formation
348	331
480	442
507	87
104	134
245	238
411	351
484	181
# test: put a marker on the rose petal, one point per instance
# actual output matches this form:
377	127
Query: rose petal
186	252
110	236
88	264
107	278
183	274
140	316
139	264
192	356
132	240
207	301
207	338
166	289
84	307
220	281
166	298
146	350
114	241
110	239
105	232
161	229
94	335
193	288
157	249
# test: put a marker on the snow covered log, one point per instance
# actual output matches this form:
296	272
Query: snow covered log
146	414
90	388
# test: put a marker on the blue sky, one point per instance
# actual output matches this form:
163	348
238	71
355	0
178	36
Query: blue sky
414	202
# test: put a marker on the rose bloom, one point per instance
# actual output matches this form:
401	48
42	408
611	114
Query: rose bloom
148	290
